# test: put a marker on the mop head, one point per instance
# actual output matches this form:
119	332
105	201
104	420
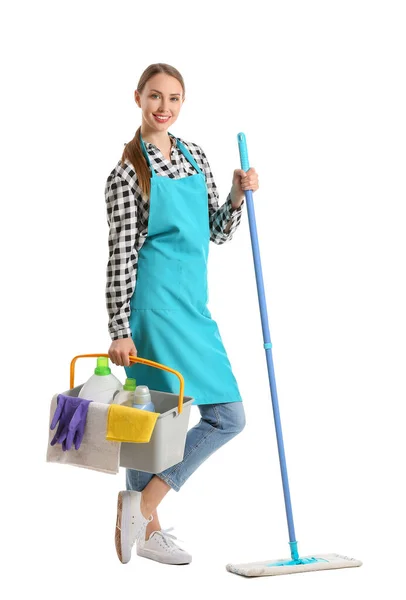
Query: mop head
283	566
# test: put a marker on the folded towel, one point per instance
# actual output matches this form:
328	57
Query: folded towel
95	451
127	424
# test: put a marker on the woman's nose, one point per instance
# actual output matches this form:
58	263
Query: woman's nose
164	106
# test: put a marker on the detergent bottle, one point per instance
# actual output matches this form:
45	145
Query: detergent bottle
125	396
102	385
142	399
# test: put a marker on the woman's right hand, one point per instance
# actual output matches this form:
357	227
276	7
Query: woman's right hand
120	350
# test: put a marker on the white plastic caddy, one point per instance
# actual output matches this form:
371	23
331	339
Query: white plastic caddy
167	444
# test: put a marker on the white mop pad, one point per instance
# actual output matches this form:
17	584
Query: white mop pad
324	561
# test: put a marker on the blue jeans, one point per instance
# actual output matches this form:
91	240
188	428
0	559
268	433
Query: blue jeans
219	423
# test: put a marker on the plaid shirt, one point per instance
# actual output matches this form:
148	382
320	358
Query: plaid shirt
127	217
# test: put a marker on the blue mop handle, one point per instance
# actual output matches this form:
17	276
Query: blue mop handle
242	146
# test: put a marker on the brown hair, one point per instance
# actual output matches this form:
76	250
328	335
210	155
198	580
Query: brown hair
133	151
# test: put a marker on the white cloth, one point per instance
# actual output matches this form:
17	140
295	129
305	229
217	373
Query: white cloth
95	452
263	568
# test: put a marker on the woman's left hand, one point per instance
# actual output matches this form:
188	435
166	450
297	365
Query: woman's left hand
242	181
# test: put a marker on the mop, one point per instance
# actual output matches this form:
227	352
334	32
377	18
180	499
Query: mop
294	564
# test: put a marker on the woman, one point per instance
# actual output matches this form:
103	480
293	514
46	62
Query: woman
162	207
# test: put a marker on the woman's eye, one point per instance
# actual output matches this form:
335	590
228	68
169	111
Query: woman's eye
157	95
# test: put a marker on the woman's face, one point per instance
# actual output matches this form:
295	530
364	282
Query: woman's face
162	95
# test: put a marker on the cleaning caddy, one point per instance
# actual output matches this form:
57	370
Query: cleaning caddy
103	437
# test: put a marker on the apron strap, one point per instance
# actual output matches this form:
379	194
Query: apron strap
187	154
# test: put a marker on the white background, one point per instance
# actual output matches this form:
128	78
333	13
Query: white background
319	90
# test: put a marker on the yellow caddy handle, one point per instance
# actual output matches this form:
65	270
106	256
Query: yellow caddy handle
133	359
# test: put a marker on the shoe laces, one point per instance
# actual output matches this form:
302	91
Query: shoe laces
168	538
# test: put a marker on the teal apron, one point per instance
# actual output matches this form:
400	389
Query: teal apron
169	320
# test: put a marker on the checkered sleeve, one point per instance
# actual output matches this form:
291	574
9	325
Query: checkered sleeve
219	216
121	204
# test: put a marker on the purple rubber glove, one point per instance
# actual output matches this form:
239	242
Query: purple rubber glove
65	410
76	428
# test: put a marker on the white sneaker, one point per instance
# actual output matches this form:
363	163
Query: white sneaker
161	547
130	524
